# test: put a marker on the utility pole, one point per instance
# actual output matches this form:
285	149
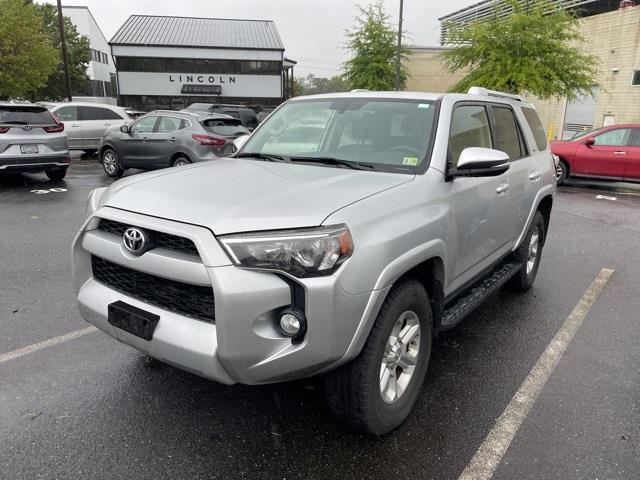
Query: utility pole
399	47
63	45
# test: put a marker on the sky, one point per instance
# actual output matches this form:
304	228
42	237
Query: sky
313	31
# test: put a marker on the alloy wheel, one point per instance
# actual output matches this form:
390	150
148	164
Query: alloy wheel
532	256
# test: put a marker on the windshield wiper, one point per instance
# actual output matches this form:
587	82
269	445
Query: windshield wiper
263	156
334	162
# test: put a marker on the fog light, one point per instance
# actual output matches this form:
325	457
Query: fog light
290	324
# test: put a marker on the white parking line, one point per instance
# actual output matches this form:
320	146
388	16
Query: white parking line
21	352
488	456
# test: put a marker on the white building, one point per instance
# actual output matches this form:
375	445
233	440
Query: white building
102	85
171	62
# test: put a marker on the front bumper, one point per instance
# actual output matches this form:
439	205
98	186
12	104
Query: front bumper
243	345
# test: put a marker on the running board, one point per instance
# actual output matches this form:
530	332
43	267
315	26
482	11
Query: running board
477	294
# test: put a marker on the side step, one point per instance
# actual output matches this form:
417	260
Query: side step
474	296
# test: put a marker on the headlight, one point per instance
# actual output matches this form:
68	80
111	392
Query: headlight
300	252
93	202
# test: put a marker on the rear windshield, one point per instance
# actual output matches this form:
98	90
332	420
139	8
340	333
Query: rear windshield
225	126
24	115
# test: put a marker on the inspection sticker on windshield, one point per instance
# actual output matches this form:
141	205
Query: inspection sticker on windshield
410	161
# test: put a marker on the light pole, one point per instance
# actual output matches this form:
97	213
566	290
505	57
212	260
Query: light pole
399	47
63	45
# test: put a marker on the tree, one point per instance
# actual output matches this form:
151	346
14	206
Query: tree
77	51
535	49
27	57
373	45
312	85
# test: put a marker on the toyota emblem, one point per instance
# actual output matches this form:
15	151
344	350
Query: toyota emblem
135	241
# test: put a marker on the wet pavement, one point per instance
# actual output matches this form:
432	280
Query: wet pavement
94	408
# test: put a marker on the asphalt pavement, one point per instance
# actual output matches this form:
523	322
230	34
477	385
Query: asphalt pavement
91	407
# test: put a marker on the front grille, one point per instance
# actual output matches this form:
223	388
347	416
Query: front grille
177	297
161	239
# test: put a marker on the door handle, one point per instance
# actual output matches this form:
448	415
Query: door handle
619	153
144	139
75	125
173	139
535	176
504	188
107	124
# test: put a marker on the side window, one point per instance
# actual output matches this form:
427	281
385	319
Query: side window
144	125
469	128
614	138
539	135
636	138
168	125
507	133
110	114
90	113
67	114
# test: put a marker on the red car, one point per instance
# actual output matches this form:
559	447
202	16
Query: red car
611	153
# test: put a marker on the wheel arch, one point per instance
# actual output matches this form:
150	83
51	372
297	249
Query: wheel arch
544	207
178	154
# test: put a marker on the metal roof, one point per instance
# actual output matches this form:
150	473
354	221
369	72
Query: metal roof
162	31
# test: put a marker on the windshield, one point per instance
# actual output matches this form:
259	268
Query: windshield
580	135
389	135
227	127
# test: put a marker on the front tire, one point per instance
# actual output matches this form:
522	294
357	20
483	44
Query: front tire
181	161
528	255
56	174
376	391
111	163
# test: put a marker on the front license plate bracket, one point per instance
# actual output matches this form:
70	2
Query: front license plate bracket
132	319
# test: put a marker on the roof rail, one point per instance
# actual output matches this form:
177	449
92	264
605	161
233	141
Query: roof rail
179	112
493	93
356	90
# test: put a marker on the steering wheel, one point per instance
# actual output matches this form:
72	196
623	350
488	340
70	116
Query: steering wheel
404	148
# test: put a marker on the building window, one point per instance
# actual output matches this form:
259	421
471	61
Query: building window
635	80
98	56
190	65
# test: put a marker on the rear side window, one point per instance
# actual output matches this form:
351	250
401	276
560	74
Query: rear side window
635	142
536	127
507	133
67	114
97	113
469	128
23	115
168	124
110	115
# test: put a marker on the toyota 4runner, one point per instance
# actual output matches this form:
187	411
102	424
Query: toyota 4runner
347	232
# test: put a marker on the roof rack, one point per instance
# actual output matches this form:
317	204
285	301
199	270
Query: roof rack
180	112
493	93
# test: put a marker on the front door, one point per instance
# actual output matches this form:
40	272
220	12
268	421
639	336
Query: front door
606	157
134	146
162	143
72	126
480	205
632	168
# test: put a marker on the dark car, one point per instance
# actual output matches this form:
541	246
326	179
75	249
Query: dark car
611	153
165	138
246	115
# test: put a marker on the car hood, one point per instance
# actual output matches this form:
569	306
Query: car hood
232	195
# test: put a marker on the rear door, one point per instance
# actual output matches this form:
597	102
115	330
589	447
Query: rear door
480	204
632	169
607	157
134	145
95	122
73	128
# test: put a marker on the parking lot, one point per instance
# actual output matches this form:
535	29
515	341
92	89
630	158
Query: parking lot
81	405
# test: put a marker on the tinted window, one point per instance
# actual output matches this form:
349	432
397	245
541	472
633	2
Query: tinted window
507	133
67	114
144	125
90	113
110	114
225	126
25	115
536	127
469	128
168	124
614	138
636	138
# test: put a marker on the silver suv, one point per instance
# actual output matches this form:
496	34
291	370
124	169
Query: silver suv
166	138
347	232
32	140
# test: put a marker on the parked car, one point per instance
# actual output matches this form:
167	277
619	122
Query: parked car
32	140
341	251
246	115
610	153
86	123
134	113
166	138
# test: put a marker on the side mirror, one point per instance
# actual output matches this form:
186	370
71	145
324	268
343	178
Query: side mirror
125	129
589	142
481	162
240	141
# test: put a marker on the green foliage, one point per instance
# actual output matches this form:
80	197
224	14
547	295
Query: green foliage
27	56
373	43
312	85
77	51
528	51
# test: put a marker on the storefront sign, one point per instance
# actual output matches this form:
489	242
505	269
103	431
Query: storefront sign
201	89
220	79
